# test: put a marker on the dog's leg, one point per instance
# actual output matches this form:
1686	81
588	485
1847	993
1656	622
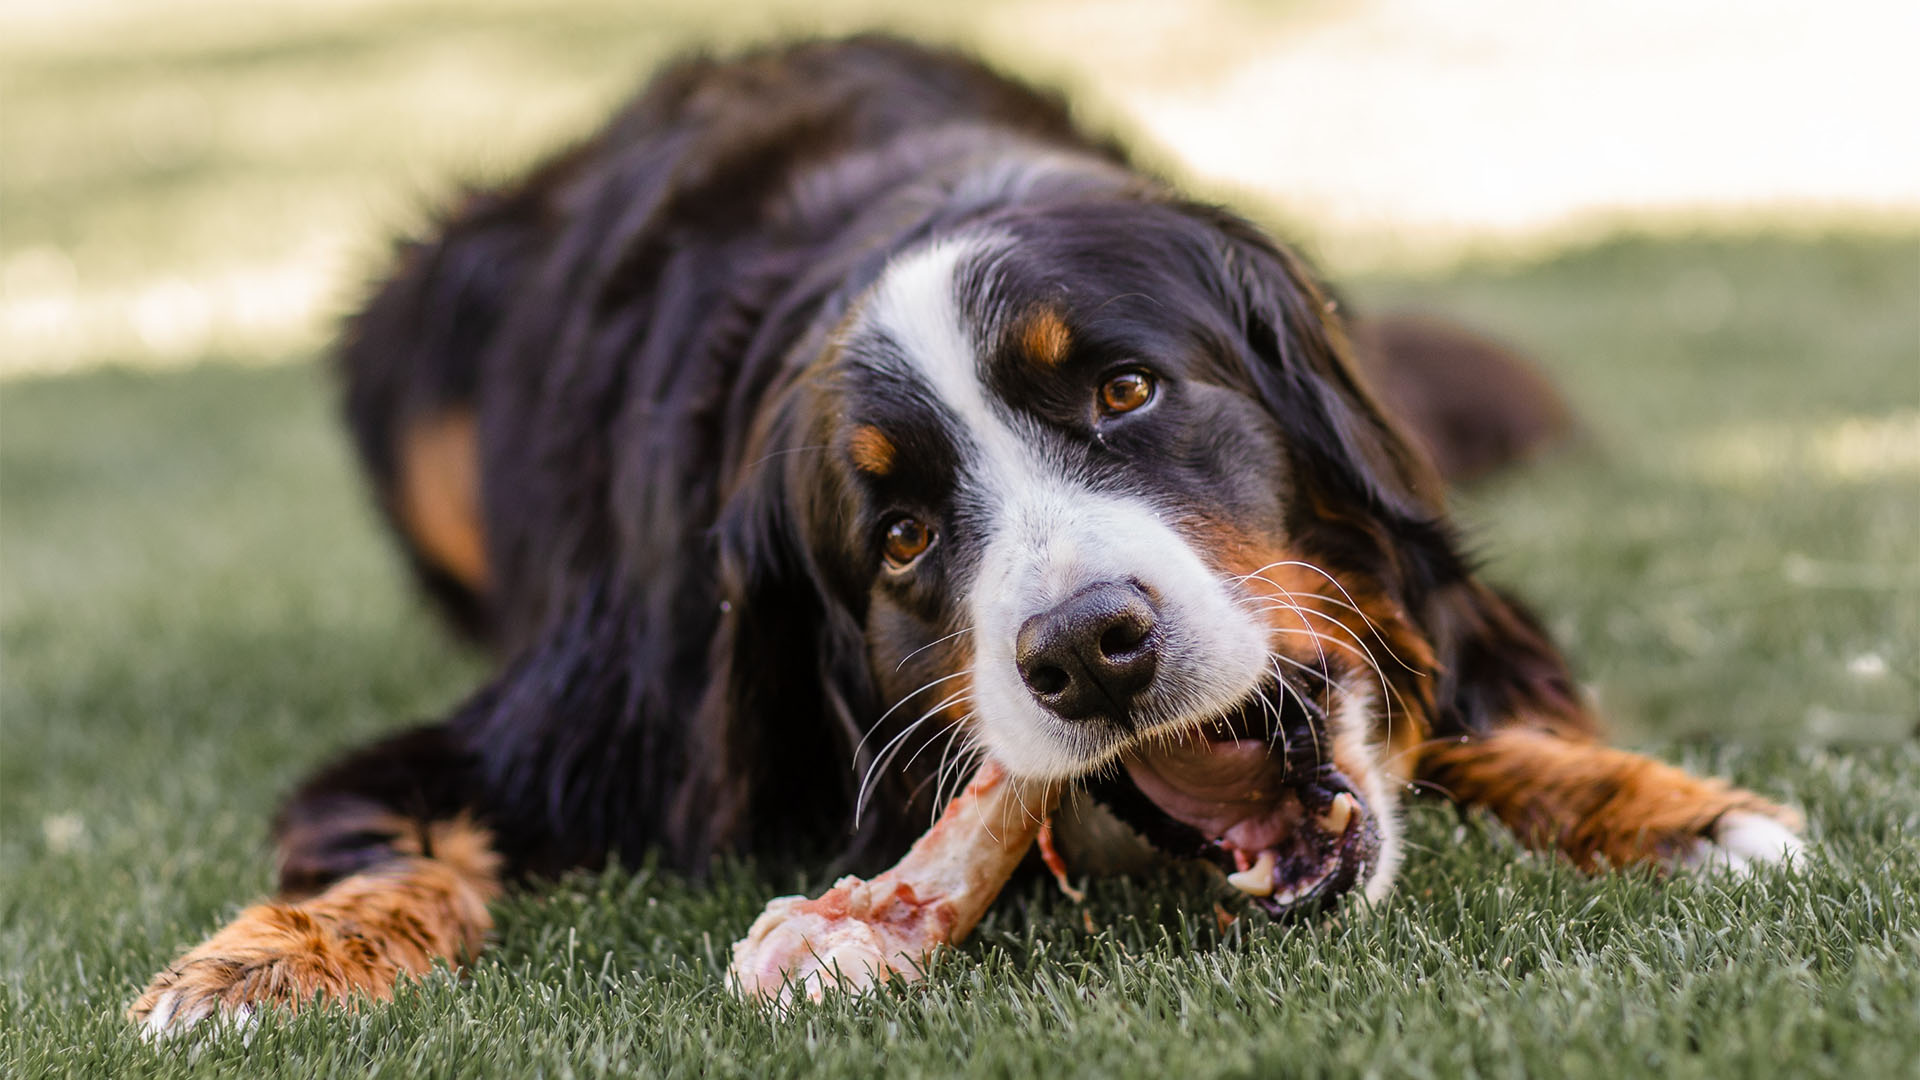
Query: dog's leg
389	856
357	938
383	873
1600	805
1511	735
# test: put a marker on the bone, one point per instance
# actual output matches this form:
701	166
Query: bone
1056	864
1335	820
860	934
1255	880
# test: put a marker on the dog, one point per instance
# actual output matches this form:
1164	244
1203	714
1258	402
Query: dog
845	399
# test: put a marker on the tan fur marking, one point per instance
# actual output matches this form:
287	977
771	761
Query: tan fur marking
439	494
1590	801
871	450
1335	623
1044	338
353	941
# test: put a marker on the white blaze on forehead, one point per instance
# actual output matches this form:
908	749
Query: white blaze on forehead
1045	533
917	306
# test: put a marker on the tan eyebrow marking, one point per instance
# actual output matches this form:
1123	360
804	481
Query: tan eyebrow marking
1044	337
871	450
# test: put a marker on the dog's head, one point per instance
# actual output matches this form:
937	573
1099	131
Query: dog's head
1093	489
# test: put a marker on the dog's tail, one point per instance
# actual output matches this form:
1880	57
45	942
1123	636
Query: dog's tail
1474	404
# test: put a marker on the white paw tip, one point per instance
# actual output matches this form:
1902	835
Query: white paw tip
1741	841
155	1026
168	1019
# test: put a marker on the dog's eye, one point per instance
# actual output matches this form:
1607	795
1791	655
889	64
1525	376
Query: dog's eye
1126	392
907	538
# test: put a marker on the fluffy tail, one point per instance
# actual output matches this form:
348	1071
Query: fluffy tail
1473	403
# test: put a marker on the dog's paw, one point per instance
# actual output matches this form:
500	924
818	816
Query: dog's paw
178	1008
272	954
1741	841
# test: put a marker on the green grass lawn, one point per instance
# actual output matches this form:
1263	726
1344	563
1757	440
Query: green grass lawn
196	608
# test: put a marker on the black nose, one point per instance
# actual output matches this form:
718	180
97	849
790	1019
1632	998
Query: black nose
1093	654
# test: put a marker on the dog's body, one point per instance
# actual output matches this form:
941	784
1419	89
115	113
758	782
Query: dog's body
847	384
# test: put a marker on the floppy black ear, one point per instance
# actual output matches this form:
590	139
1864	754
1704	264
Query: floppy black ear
1300	364
1360	496
1365	499
789	684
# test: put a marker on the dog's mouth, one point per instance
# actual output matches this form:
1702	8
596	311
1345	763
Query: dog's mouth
1257	793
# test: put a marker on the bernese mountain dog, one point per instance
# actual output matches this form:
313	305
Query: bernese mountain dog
841	416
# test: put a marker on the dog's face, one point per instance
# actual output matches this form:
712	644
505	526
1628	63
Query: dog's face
1070	458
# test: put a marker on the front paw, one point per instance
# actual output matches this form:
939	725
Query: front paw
272	954
1741	841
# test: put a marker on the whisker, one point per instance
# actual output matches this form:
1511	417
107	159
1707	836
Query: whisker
1020	795
1306	669
931	644
896	706
889	752
964	764
1349	601
1438	789
1279	725
923	746
1304	624
879	761
953	732
1290	602
751	466
1388	693
949	760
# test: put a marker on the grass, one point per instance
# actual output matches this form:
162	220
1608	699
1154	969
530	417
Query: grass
196	608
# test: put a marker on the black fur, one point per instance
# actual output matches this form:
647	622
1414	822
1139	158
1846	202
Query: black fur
682	588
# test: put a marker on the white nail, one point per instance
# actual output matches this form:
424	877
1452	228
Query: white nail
1255	880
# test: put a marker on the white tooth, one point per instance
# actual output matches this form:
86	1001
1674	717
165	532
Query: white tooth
1286	896
1334	821
1255	880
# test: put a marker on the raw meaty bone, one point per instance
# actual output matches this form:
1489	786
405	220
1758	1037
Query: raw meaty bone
863	933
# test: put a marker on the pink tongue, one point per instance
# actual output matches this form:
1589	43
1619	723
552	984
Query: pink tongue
1227	790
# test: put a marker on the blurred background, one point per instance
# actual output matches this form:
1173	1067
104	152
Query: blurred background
196	178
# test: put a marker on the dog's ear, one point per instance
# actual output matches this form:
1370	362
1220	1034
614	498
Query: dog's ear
777	726
1300	365
1365	498
1361	499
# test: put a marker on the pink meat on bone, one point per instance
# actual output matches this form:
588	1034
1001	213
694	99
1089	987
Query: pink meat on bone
863	933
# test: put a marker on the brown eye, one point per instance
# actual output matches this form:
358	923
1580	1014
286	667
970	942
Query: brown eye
906	539
1126	392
